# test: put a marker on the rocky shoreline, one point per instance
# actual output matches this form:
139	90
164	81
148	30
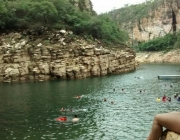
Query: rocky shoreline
172	56
27	56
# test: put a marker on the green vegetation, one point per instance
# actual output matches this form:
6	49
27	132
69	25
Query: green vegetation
133	13
127	16
166	43
59	14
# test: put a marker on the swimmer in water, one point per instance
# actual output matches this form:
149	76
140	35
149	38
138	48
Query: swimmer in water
105	99
169	99
158	99
164	98
62	109
178	99
79	97
175	96
61	119
75	119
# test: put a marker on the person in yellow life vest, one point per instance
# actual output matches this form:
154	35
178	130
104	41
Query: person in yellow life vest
158	99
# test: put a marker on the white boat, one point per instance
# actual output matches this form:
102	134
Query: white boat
168	77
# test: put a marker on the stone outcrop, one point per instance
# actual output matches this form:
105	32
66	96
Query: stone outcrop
68	57
85	5
172	56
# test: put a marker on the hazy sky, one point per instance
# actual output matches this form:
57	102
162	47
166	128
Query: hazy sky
102	6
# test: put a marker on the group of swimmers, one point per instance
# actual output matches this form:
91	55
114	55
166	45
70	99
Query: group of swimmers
177	97
106	100
165	98
64	118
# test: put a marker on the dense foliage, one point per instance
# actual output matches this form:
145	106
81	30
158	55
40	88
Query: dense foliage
59	14
168	42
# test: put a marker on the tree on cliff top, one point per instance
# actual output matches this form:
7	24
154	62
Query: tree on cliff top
59	14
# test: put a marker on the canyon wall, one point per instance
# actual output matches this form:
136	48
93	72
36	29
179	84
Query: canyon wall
163	19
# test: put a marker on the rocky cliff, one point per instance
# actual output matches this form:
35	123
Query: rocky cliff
26	56
163	19
166	19
83	5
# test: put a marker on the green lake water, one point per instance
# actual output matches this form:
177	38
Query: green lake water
28	110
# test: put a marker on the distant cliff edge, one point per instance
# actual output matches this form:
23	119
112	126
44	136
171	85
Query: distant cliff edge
149	20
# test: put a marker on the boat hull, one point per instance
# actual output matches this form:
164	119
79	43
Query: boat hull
168	77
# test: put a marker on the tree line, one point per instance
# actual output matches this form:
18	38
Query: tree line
59	14
165	43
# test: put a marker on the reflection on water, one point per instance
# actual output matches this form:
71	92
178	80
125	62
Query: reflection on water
28	110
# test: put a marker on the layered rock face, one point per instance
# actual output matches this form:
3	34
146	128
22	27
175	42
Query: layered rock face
163	20
84	5
22	60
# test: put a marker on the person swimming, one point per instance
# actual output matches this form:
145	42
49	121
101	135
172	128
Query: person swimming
79	96
178	99
164	98
175	96
169	99
61	119
158	99
75	119
62	109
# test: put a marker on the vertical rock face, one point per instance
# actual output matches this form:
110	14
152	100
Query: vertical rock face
166	20
83	5
22	61
159	22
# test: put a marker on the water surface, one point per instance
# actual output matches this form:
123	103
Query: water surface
28	110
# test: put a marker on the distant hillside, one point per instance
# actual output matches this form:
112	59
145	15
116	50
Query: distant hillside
149	20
